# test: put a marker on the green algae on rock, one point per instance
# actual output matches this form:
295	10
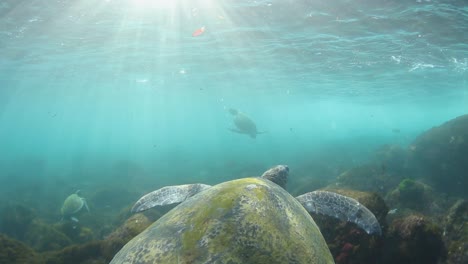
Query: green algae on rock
44	237
413	195
440	156
13	251
368	178
89	252
414	239
15	220
117	239
456	232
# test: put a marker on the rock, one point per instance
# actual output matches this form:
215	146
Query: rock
392	158
413	239
413	195
100	251
368	178
117	239
20	222
77	254
75	231
15	220
440	156
13	251
44	237
456	233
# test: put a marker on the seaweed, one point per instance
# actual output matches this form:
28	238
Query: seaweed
13	251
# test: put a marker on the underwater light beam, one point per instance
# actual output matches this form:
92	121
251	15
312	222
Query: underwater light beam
156	3
171	4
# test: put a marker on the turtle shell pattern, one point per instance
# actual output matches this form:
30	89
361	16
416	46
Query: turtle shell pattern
72	204
250	220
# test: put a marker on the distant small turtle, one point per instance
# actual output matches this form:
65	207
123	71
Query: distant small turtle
72	205
243	123
249	220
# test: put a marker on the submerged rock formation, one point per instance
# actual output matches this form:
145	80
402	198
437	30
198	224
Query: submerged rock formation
456	232
413	239
440	156
13	251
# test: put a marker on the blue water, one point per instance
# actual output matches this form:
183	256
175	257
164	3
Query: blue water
119	91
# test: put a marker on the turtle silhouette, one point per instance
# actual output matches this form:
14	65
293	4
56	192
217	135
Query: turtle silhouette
244	124
72	205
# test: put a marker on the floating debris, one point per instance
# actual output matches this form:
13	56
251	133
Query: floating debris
198	32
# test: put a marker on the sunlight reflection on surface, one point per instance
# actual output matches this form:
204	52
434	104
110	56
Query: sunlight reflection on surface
169	4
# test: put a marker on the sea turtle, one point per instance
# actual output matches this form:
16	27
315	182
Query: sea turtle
243	123
249	220
72	205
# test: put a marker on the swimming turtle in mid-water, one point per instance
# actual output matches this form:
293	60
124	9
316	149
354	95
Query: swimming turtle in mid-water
243	123
72	205
249	220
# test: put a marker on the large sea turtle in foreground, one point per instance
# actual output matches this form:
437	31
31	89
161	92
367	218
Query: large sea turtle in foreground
243	123
249	220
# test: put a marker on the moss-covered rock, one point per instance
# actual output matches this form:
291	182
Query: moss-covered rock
44	237
413	195
392	158
456	232
98	251
413	239
76	254
117	239
440	156
15	220
368	178
13	251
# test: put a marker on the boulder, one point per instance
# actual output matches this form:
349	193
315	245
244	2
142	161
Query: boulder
440	156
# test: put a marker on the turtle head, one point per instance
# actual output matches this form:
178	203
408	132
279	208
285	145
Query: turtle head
278	174
233	111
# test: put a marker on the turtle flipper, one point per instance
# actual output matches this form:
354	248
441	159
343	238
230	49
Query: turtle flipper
341	207
236	130
233	111
85	204
168	195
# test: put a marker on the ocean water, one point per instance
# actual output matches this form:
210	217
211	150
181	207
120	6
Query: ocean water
119	94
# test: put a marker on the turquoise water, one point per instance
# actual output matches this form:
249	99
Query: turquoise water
119	92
